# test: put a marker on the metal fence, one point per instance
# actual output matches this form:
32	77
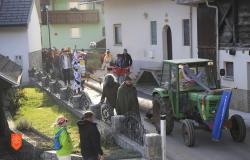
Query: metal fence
133	128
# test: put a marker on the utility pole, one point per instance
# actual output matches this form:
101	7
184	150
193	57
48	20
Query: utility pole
47	13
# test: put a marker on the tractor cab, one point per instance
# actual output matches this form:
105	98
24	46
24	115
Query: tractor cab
185	82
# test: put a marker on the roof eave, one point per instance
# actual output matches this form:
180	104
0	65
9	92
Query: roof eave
11	81
14	25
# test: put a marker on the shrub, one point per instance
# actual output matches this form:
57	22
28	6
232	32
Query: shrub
15	96
23	125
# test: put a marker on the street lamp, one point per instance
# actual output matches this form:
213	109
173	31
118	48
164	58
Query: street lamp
46	9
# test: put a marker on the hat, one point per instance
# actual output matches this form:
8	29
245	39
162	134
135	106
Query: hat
61	120
127	78
87	114
81	52
125	50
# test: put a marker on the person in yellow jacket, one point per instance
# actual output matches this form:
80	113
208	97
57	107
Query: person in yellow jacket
66	147
106	60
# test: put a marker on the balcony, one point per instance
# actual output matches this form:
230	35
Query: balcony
190	2
71	17
44	2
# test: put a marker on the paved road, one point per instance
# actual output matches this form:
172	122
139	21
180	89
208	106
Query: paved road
205	149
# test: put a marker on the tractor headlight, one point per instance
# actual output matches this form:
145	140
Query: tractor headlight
210	63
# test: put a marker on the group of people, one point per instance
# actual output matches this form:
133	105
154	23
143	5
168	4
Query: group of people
121	98
63	61
123	60
90	139
121	64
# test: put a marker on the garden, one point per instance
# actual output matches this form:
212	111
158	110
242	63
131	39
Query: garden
36	117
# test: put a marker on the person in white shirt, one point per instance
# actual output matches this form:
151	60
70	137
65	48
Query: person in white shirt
66	65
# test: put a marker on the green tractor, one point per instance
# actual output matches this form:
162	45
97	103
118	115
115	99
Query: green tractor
189	94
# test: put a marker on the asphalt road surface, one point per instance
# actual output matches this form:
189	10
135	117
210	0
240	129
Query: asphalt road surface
204	149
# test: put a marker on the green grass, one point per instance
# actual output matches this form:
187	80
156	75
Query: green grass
42	112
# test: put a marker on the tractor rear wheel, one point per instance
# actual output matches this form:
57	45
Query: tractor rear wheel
238	129
162	106
188	132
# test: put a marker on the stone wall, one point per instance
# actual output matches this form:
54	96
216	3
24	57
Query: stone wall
241	100
51	155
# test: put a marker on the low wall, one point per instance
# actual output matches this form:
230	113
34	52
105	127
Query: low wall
120	139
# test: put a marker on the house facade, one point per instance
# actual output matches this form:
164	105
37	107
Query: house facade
71	23
20	37
231	49
151	30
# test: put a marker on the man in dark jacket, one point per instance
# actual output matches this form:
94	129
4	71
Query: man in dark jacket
127	101
110	88
127	58
90	139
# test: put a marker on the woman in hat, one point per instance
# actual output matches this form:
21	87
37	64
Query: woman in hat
82	67
63	152
107	60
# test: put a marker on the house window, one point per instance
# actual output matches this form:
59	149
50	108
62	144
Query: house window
75	32
186	32
229	70
118	34
103	31
153	28
84	6
73	5
19	60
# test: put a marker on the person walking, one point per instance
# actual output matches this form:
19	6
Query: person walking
62	140
65	62
119	64
127	59
77	76
127	101
82	67
90	139
109	93
107	60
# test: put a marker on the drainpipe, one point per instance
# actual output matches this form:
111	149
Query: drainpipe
191	32
217	37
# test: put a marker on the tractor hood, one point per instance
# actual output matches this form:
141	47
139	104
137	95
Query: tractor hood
207	104
208	96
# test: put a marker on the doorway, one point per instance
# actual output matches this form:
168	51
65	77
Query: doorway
167	43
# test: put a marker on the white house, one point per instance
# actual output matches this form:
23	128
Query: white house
233	48
20	37
151	30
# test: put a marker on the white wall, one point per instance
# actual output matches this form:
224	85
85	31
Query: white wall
13	42
136	28
240	61
34	32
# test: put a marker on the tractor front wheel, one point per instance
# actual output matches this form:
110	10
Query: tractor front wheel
238	129
162	106
188	132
